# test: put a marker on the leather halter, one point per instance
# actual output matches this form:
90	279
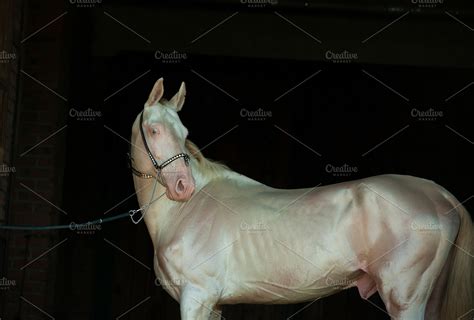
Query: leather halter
158	167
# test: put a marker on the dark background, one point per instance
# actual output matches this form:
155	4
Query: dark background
342	113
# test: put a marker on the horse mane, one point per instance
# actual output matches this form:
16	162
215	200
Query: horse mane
208	167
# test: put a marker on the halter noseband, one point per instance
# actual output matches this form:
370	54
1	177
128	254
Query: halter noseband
158	167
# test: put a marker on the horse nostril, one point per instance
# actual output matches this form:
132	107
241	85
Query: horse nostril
180	186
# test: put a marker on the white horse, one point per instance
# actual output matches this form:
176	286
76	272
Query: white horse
222	238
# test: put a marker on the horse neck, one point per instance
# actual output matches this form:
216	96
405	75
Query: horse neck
162	210
158	213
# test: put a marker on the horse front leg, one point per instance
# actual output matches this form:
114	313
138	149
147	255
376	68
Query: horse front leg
198	304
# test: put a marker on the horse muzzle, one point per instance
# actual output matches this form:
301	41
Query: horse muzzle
180	187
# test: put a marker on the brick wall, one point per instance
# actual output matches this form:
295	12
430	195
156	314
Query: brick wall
10	25
35	189
10	33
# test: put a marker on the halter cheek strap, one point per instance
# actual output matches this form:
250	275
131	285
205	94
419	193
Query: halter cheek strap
158	167
148	151
137	172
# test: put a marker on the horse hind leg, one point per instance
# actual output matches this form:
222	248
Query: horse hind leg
406	284
433	307
405	295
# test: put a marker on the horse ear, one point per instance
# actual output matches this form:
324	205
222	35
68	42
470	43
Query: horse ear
156	93
178	100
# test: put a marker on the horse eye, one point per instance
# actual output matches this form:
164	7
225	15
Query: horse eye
154	131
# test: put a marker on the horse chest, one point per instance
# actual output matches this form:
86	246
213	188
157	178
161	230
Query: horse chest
168	268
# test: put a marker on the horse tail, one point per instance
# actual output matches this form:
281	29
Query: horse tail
458	299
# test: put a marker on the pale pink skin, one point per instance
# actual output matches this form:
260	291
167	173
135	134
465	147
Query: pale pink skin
227	240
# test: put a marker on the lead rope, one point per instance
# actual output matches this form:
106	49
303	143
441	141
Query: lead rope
130	213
